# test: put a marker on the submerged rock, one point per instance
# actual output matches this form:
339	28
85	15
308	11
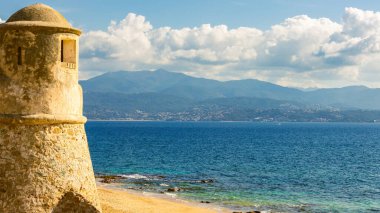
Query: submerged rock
174	189
207	181
109	178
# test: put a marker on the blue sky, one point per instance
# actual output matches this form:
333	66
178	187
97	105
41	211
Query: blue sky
96	14
298	43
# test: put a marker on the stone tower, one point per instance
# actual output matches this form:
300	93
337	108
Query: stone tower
45	164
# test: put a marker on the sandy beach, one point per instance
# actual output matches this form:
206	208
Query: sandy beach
123	201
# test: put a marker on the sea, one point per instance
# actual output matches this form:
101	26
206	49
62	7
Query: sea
270	167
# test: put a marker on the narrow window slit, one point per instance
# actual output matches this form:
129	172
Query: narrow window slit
19	56
61	50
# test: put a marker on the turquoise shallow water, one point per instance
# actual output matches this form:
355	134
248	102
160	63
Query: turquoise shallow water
289	167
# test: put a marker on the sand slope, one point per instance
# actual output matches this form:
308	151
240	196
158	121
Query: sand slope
120	201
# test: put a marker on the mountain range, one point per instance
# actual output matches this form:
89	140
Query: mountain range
164	95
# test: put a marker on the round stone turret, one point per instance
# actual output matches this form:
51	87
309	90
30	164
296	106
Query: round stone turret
45	164
39	66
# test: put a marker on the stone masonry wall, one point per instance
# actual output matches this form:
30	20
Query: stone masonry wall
46	168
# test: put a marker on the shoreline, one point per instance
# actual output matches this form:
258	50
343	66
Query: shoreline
270	122
115	199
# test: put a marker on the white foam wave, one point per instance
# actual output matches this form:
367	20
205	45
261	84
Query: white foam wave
135	176
171	195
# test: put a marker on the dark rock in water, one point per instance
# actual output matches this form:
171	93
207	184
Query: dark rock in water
205	201
109	178
254	212
174	189
136	188
160	176
207	181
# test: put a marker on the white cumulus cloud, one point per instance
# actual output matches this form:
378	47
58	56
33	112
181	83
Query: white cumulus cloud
300	51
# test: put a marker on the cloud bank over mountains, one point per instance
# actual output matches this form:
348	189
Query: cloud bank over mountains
300	51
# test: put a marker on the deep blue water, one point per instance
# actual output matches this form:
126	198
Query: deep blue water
292	167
